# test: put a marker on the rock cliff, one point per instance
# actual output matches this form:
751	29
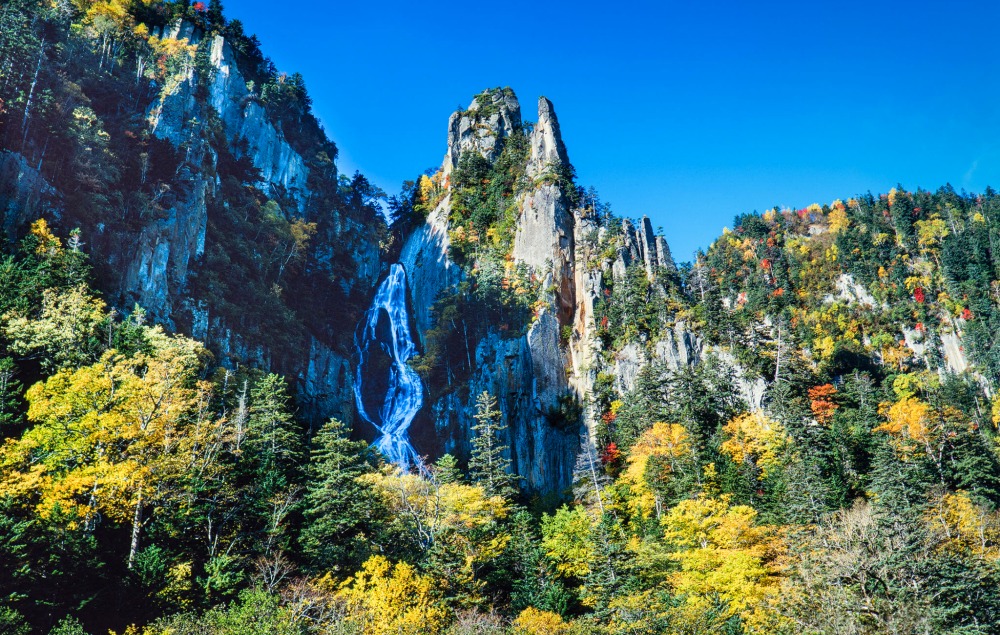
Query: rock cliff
233	233
544	377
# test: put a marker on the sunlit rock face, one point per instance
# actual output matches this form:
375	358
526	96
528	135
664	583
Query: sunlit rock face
388	393
542	378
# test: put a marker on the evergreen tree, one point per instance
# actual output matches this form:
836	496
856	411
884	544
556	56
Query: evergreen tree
446	470
276	453
275	438
340	510
10	395
489	464
609	559
533	583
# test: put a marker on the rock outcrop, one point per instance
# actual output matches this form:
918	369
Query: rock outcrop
641	245
544	378
482	128
24	194
206	128
429	270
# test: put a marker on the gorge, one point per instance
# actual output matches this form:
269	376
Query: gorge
242	392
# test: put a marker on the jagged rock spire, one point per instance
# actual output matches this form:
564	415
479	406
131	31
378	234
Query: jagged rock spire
643	246
548	152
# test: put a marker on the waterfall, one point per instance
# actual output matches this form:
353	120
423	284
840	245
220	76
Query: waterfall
384	345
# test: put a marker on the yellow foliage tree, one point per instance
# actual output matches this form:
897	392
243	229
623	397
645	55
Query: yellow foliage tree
909	417
756	440
722	554
61	333
838	219
110	438
566	539
963	527
667	442
392	599
532	621
48	243
458	522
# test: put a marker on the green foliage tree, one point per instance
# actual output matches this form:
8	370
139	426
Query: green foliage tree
489	464
446	470
341	511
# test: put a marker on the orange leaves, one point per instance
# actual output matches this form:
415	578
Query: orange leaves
821	403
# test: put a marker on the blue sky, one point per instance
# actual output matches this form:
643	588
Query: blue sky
688	112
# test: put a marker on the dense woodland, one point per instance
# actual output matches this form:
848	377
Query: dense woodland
150	489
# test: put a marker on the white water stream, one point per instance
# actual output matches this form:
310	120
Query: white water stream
386	331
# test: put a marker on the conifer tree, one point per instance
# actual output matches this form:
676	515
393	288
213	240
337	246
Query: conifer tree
489	465
275	449
10	392
446	470
339	508
275	437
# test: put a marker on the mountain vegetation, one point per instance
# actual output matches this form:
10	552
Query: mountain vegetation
830	465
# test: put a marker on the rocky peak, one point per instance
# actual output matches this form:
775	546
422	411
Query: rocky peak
492	116
548	152
642	245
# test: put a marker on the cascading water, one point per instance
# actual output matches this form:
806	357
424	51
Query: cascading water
384	345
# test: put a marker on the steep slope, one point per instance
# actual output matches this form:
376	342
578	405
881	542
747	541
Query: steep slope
200	183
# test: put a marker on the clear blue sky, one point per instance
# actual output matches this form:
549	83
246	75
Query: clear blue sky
688	112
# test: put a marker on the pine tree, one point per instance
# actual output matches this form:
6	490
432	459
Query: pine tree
490	465
275	437
339	509
446	470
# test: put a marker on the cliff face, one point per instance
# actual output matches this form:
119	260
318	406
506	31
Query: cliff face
228	230
344	251
543	378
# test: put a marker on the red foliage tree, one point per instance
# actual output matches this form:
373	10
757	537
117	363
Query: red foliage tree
611	454
822	404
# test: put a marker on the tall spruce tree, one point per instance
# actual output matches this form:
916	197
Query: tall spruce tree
275	437
339	509
489	464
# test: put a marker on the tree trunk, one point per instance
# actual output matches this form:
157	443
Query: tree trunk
136	528
26	117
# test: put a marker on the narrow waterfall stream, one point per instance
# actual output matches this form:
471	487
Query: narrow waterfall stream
387	391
